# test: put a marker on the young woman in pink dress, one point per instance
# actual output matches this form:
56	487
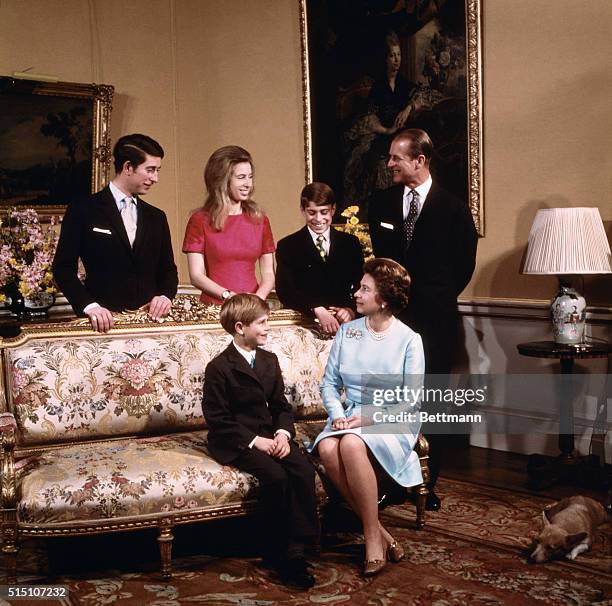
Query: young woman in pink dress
230	233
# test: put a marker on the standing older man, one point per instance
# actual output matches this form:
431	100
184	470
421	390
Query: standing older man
123	242
432	234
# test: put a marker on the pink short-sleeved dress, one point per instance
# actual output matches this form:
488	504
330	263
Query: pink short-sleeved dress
229	255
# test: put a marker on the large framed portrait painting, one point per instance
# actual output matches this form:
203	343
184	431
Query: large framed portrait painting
373	67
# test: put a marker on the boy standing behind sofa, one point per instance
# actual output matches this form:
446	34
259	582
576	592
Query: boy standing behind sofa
319	267
250	426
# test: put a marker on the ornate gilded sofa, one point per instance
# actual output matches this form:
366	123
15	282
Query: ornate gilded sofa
104	433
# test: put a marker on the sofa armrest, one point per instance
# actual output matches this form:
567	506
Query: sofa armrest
8	487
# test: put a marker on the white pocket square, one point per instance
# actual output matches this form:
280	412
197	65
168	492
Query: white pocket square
387	225
102	231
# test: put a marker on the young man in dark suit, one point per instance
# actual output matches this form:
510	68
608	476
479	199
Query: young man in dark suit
123	242
319	267
432	234
250	426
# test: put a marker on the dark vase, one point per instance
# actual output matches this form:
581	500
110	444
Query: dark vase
14	300
27	307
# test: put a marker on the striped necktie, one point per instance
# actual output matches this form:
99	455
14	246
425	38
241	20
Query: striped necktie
321	247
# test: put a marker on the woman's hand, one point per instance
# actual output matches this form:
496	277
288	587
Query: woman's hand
340	424
354	422
344	423
402	117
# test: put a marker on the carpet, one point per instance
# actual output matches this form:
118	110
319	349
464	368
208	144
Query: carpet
473	551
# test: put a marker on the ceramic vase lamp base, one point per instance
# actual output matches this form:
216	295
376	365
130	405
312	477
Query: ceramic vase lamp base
568	314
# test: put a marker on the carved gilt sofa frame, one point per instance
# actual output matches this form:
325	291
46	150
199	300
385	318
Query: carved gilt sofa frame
104	433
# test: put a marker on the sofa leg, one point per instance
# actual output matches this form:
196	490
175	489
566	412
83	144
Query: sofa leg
10	546
421	498
10	563
165	550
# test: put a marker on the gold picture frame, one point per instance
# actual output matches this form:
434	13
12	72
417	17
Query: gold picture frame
54	142
320	29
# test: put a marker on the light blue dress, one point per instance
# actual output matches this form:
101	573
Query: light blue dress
364	367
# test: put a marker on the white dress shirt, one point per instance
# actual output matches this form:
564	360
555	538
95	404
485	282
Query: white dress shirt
422	190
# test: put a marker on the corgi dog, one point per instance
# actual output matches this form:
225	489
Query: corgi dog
568	528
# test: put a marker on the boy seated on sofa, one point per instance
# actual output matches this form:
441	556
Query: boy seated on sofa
250	426
319	267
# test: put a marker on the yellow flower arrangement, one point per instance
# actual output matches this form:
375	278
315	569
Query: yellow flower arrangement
360	230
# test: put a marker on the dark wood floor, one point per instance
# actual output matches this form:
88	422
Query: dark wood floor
507	470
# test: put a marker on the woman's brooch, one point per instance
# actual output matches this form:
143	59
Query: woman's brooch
353	333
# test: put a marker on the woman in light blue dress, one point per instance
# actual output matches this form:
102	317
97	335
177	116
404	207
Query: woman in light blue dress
378	362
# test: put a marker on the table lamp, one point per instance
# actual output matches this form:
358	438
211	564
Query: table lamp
566	242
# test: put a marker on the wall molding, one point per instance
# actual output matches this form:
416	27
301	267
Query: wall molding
524	309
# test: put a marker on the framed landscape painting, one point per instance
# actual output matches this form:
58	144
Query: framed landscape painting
373	67
54	142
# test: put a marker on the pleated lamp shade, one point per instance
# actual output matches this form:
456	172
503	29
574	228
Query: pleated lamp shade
567	241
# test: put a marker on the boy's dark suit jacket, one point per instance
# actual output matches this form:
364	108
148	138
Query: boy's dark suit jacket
241	402
118	276
442	252
304	280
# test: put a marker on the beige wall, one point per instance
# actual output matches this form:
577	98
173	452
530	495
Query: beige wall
548	130
197	74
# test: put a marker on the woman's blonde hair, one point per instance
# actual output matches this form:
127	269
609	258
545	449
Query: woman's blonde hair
217	175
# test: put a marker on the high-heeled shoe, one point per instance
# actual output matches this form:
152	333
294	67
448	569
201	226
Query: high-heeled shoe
373	567
395	552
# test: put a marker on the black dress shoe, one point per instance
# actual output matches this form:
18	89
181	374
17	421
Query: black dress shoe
295	572
432	503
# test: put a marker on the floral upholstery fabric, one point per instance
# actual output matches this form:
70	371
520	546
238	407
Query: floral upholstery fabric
67	389
129	477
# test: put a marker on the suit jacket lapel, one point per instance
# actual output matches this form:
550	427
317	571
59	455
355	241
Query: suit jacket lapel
430	202
309	247
398	209
109	208
240	365
142	225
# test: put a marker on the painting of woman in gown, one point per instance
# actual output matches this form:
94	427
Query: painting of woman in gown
378	67
365	144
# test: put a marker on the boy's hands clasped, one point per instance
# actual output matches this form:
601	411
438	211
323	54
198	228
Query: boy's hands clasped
278	447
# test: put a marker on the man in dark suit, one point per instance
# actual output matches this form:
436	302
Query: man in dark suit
250	426
319	267
123	242
432	234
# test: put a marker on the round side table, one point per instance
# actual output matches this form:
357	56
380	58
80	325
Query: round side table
566	467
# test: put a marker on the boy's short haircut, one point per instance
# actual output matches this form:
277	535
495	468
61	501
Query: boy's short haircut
320	194
243	307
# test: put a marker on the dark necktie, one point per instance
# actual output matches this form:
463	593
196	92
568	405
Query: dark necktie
321	248
411	217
